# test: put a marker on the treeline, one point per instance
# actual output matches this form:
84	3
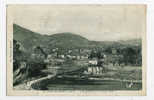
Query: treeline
127	55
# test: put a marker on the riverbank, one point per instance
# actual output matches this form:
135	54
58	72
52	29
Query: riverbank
44	82
88	84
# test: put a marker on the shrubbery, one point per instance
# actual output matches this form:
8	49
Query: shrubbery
26	66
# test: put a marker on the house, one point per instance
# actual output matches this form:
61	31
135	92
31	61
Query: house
114	51
62	56
69	51
78	57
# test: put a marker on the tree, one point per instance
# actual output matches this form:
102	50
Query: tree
36	61
17	55
129	55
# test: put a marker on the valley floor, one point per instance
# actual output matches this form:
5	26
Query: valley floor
114	78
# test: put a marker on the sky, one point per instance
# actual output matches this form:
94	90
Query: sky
94	22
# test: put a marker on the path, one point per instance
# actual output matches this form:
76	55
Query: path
27	86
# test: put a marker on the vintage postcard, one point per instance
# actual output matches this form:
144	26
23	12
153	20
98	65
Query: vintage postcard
76	50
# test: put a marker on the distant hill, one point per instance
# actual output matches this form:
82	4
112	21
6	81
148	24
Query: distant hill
67	40
133	42
63	40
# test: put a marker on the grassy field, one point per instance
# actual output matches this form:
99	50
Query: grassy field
126	72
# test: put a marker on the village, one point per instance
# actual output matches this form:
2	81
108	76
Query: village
91	60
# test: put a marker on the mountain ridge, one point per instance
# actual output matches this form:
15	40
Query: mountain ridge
63	40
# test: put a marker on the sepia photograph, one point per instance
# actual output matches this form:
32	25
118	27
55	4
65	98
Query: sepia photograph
76	50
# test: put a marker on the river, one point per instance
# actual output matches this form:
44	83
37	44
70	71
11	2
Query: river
85	84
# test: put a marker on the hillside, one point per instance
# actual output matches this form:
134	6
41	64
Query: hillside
63	40
26	37
67	40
